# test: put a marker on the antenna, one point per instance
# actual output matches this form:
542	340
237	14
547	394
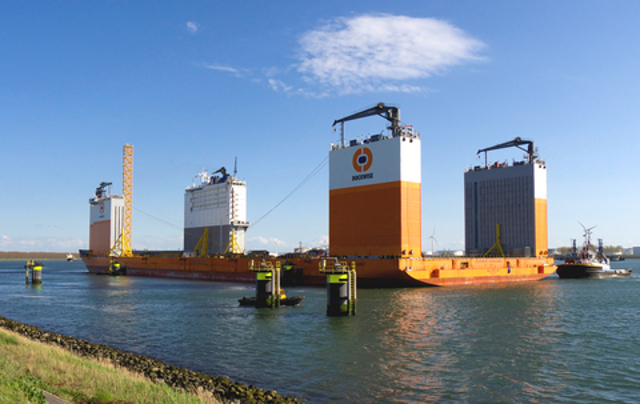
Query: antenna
587	236
235	167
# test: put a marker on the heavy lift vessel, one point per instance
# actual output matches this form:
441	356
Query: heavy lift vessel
375	219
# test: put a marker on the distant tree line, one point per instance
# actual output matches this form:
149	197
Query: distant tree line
608	249
19	255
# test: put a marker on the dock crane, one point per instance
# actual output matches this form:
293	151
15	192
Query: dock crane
531	150
388	112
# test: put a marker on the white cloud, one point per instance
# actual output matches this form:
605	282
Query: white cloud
192	27
376	52
279	85
271	244
322	242
221	68
368	53
268	241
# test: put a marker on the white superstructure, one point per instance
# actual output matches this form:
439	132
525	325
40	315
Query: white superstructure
376	161
219	204
106	219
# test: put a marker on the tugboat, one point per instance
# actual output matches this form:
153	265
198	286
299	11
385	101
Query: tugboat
588	265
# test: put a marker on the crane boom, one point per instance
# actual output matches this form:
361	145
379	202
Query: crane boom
222	171
388	112
127	193
531	150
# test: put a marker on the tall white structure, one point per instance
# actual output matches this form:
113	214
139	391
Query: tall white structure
375	191
511	196
218	205
107	214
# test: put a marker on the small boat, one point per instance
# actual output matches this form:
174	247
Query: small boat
69	258
588	265
287	301
581	269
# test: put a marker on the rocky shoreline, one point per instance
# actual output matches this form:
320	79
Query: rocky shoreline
218	387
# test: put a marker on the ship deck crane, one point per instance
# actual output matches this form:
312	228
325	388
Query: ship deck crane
388	112
103	190
531	150
222	171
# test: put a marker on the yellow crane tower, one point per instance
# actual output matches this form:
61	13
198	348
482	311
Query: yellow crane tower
127	193
122	246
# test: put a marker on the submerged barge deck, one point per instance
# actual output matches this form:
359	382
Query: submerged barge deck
372	272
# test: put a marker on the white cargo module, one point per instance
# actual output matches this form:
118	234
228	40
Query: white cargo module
219	204
375	191
106	220
511	196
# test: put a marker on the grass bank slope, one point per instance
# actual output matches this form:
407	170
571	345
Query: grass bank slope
85	373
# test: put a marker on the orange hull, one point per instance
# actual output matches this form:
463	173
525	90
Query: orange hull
371	271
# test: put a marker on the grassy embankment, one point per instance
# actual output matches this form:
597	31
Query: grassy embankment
26	366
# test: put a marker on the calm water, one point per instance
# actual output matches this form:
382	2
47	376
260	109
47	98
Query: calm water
548	341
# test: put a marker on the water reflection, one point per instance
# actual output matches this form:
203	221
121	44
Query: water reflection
444	344
553	340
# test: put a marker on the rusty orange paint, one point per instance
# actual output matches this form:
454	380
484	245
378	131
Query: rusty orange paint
371	271
100	237
376	220
542	235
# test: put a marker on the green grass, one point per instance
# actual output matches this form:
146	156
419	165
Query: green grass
27	367
19	390
6	339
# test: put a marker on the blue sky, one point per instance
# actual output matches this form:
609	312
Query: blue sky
196	84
